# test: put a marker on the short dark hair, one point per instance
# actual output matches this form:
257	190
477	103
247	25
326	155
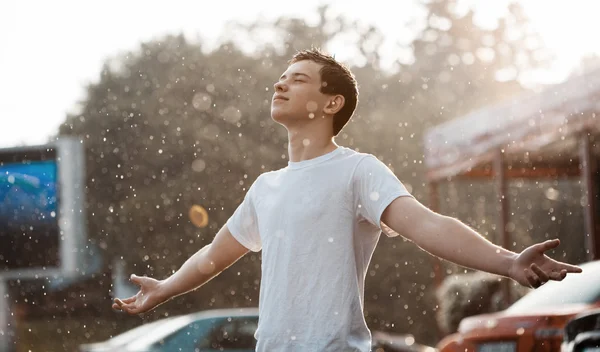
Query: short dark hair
335	79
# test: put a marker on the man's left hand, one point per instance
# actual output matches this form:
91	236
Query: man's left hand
532	268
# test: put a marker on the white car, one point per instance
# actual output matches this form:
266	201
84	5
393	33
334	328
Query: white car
212	330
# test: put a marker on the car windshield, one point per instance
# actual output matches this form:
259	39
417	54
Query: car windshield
134	333
574	289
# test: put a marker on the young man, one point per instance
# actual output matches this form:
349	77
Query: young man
318	220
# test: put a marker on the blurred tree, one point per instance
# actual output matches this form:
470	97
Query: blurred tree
167	127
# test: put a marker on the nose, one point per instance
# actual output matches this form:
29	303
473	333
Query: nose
280	86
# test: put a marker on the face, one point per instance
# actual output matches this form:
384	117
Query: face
297	93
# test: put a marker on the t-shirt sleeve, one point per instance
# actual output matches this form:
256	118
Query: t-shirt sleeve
375	187
243	224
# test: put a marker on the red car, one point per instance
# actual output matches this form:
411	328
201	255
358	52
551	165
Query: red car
533	323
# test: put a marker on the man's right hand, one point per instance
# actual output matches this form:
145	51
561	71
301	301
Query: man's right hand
147	298
195	272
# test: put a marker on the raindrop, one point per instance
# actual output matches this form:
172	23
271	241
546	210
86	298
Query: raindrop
198	165
201	101
330	239
306	142
206	267
311	106
552	193
374	196
311	116
231	114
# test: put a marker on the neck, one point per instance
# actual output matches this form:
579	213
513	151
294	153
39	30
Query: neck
307	143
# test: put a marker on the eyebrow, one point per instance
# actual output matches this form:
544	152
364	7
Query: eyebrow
296	74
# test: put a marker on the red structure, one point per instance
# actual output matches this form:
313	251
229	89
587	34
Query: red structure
553	133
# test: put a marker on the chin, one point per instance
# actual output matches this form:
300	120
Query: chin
278	116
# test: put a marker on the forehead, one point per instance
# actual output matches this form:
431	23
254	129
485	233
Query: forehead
307	67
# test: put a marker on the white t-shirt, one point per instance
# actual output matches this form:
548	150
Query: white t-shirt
317	222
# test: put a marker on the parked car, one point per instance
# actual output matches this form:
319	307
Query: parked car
582	333
535	322
386	342
212	330
218	330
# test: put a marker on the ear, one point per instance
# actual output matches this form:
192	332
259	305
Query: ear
335	104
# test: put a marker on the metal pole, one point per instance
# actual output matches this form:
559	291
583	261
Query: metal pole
587	184
501	185
7	331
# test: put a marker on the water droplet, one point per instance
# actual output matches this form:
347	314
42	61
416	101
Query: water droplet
206	267
53	214
311	116
231	114
293	338
306	142
520	331
312	106
198	165
374	196
201	101
330	239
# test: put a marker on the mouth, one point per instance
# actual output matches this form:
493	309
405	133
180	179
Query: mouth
279	97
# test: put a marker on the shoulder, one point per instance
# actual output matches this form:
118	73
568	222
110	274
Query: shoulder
266	178
368	165
364	160
353	156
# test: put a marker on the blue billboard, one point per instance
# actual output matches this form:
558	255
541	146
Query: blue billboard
42	215
28	194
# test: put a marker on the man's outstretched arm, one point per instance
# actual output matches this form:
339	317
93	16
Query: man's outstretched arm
205	264
450	239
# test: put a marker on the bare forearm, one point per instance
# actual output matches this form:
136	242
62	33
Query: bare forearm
204	265
454	241
195	272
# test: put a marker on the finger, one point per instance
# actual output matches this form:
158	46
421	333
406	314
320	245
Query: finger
532	278
548	245
132	309
116	306
126	308
135	279
540	273
558	275
127	300
571	268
